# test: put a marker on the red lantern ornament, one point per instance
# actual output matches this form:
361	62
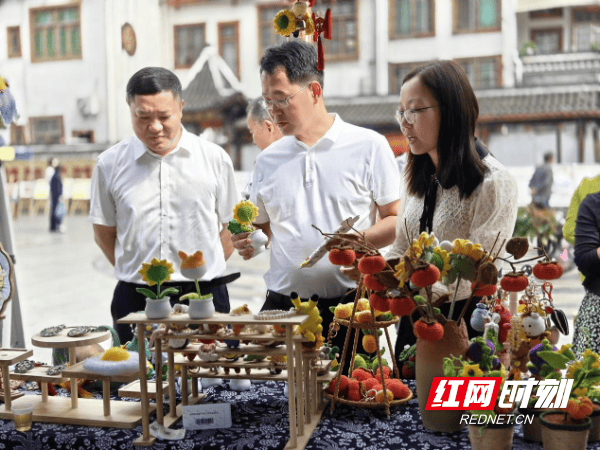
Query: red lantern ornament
342	256
425	277
371	264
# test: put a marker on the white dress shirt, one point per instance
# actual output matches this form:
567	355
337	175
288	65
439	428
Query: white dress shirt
161	205
348	172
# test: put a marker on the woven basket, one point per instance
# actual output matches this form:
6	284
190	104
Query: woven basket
365	404
368	325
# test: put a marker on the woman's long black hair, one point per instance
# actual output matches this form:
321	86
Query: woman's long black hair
459	163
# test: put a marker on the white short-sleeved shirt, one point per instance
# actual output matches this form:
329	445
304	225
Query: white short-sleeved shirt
348	172
161	205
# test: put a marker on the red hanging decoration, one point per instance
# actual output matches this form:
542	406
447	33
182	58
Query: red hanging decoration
322	25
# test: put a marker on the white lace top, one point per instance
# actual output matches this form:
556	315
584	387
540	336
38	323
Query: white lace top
490	209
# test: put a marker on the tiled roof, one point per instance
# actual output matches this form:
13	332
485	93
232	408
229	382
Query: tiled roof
497	105
201	94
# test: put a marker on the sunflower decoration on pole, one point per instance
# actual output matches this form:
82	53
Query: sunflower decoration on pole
299	18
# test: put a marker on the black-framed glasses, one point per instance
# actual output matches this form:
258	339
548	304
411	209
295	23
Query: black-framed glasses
410	115
284	103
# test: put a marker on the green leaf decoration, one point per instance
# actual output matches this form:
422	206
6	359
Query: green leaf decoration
420	300
555	360
147	292
449	367
569	354
158	273
234	227
168	291
189	296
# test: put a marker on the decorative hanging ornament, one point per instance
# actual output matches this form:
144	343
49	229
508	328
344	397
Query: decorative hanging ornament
294	20
322	25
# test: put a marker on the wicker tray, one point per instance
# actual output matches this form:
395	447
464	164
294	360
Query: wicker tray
365	404
368	325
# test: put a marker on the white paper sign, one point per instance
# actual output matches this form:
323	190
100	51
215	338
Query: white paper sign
203	417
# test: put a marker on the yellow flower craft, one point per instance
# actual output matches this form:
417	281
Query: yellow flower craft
471	370
441	260
245	212
156	272
285	22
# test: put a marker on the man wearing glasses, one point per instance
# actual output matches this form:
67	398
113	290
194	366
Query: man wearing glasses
321	172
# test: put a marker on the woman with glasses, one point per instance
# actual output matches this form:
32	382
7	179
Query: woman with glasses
454	187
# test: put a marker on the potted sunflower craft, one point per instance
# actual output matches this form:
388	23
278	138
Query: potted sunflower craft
156	273
193	267
243	215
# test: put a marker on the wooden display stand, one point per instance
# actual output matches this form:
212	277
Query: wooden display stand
304	400
75	411
8	357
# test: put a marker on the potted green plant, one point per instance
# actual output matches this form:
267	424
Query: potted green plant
157	272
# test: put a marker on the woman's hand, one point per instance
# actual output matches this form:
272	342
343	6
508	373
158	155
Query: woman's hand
242	243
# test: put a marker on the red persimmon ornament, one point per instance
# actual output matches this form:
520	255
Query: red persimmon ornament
425	277
402	306
514	282
371	264
379	303
342	257
547	270
484	290
431	332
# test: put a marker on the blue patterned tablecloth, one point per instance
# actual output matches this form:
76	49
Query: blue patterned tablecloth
260	422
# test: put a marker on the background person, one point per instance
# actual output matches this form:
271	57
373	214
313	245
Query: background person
541	182
587	258
263	130
322	171
57	212
161	191
454	187
587	186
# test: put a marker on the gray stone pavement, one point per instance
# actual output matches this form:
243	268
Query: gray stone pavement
64	278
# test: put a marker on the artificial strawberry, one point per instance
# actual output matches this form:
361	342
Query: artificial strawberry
370	383
342	256
408	370
361	374
547	270
425	277
431	332
484	290
402	306
344	381
371	283
398	388
369	343
580	409
379	303
514	282
354	391
386	373
371	264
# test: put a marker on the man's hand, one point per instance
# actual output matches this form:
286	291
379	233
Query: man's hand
351	272
241	242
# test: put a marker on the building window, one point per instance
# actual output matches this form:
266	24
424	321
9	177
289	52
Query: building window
229	45
83	136
483	73
412	18
586	28
397	74
55	33
344	42
17	134
552	13
14	42
189	42
476	15
47	130
548	41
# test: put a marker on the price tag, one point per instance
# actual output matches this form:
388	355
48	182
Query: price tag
203	417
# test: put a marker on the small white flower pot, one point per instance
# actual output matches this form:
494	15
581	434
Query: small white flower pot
201	308
259	240
158	308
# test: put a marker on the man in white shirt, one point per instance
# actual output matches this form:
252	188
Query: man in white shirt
320	173
161	191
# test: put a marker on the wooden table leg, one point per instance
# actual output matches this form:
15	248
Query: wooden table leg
298	363
195	387
159	381
6	386
44	388
307	389
106	396
184	389
289	343
74	393
143	384
172	392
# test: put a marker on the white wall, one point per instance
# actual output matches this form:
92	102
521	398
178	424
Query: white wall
52	88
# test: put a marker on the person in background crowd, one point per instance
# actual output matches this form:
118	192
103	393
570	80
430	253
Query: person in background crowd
263	130
541	182
454	187
159	192
56	191
587	258
321	172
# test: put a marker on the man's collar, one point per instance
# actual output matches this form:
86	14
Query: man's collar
185	143
331	134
